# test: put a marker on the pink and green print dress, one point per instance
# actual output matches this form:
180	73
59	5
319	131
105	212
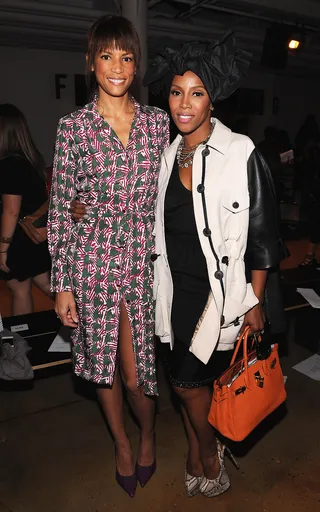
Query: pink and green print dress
105	258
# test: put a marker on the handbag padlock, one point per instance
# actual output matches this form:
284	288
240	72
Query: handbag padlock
259	379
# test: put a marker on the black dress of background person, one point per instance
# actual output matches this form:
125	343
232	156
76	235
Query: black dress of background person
25	258
22	178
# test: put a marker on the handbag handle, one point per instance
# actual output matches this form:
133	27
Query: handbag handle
243	338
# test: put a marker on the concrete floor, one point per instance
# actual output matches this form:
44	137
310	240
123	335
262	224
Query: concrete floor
58	456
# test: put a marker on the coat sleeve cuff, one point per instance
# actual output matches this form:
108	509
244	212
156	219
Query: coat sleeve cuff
263	257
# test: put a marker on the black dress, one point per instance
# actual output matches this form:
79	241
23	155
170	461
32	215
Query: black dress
25	258
190	290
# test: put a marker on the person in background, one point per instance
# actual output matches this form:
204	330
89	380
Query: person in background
284	141
49	171
108	156
23	191
307	149
308	134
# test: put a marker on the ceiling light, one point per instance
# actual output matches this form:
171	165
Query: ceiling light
294	44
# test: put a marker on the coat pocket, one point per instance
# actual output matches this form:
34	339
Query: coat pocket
235	213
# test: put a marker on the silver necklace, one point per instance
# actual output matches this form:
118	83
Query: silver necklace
185	155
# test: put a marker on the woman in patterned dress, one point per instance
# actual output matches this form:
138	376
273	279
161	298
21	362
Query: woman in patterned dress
108	155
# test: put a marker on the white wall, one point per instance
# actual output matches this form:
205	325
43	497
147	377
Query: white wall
28	81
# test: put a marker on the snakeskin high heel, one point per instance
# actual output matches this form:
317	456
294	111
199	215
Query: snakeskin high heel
221	484
192	484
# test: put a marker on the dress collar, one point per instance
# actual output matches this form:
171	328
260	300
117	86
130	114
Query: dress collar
94	115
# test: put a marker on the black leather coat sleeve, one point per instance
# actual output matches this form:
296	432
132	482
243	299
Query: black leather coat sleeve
265	248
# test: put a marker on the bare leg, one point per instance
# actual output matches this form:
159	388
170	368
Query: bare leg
194	465
42	281
197	403
142	406
22	302
111	400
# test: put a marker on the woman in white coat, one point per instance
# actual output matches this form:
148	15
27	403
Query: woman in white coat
216	237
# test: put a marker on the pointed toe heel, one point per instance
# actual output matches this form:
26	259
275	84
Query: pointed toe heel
128	483
144	473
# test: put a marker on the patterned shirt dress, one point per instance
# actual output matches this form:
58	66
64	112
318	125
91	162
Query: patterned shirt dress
105	258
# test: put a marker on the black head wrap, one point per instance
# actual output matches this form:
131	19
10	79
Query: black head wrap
220	65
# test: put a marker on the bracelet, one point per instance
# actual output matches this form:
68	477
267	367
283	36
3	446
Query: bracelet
5	239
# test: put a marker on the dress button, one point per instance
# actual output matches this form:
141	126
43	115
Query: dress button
206	152
218	275
128	301
225	260
200	188
235	204
207	232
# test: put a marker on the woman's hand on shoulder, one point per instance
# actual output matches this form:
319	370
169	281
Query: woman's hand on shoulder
78	210
65	307
254	319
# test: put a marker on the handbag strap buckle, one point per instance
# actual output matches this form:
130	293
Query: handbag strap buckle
240	391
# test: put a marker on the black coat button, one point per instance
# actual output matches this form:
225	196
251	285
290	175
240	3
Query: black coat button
207	232
218	274
225	260
154	257
206	152
200	188
222	320
235	204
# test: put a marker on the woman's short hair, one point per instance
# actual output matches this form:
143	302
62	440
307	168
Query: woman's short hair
111	32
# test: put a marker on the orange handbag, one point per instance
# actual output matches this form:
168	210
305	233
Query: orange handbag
247	392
